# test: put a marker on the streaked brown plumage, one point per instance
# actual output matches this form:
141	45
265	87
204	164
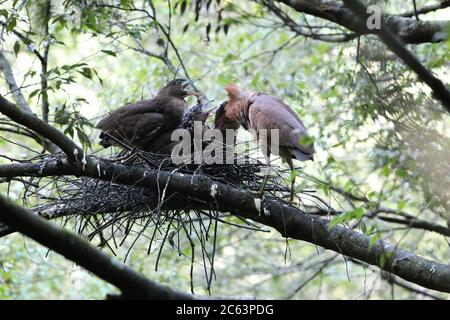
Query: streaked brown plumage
258	110
140	122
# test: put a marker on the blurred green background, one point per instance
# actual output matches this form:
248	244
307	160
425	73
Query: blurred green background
378	134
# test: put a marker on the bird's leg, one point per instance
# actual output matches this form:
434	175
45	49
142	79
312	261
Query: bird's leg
125	156
266	178
266	153
291	167
130	158
119	157
115	158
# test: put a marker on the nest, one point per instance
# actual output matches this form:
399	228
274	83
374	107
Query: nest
111	214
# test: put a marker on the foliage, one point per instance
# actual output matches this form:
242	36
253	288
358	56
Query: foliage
383	142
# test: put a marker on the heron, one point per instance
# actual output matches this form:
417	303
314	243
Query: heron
259	110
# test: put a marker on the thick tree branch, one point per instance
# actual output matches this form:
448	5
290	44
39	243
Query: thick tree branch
307	31
289	221
132	284
440	91
408	29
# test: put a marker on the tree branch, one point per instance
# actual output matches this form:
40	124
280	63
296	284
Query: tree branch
427	9
289	221
16	92
5	67
73	152
408	29
132	284
44	62
31	46
417	223
439	89
394	281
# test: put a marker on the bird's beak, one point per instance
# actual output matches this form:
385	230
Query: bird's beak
188	82
192	93
209	107
189	92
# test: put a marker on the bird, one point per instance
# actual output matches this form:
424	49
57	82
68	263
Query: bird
260	110
163	143
222	122
140	122
198	112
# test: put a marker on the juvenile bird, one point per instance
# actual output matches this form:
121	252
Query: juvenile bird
222	122
140	122
258	110
163	143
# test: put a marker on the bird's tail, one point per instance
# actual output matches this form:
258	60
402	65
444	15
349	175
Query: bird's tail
302	156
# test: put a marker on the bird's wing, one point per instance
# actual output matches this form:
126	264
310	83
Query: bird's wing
136	129
143	127
161	144
269	112
277	110
139	107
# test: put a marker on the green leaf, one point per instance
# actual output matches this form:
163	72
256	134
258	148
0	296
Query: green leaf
126	3
44	95
305	140
400	173
11	24
293	174
334	221
35	92
385	171
358	213
98	77
224	78
229	57
91	20
373	240
348	185
84	139
4	12
370	195
354	214
69	131
256	80
16	47
401	205
110	53
382	261
301	86
325	189
86	72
